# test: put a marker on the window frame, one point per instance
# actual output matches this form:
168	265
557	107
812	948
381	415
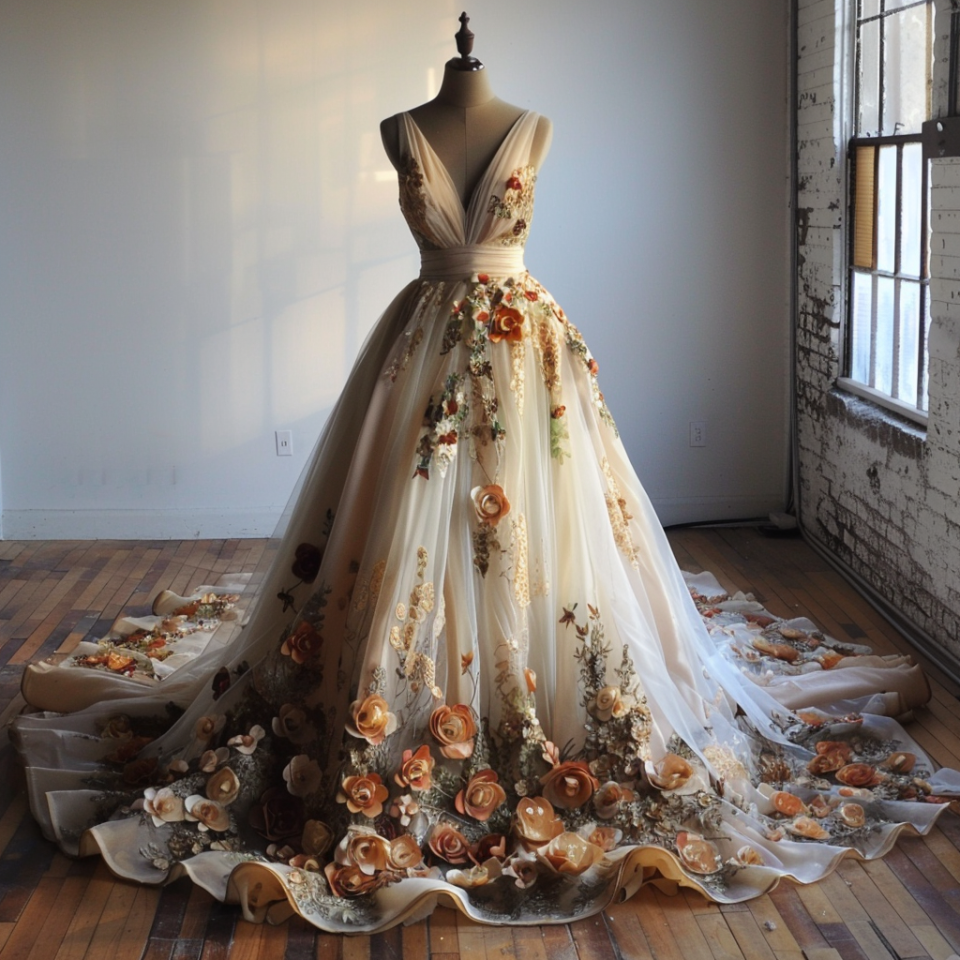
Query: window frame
869	391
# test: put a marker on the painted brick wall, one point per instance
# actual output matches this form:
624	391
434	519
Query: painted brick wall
882	494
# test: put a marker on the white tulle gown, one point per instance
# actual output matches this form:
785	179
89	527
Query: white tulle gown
474	673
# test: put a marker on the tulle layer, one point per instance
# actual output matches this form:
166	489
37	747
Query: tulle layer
475	675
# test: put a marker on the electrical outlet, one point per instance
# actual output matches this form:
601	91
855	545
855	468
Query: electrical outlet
698	433
284	443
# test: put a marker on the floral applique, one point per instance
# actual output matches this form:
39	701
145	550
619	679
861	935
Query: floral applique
441	426
490	506
516	204
413	202
418	668
578	346
620	517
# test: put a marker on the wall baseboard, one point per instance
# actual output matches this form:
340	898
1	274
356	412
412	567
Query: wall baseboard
213	524
209	524
680	510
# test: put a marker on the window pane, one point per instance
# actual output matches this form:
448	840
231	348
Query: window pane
906	71
862	313
887	209
870	8
911	253
865	207
909	346
883	340
868	83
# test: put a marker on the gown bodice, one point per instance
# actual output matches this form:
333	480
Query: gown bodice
493	227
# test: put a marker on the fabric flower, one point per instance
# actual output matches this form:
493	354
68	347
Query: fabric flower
246	743
523	870
278	816
476	876
371	719
535	822
164	806
416	770
223	786
607	799
302	775
448	843
316	838
292	725
404	808
507	324
609	702
211	759
351	881
697	854
302	643
859	775
570	854
490	503
306	564
405	853
363	794
210	814
481	796
492	845
670	773
206	727
569	785
117	728
606	838
365	848
454	728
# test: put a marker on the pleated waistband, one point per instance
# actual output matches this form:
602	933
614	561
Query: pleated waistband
455	263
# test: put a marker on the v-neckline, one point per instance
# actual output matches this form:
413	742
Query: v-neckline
466	208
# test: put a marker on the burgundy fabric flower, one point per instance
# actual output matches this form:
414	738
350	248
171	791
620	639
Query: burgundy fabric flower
306	564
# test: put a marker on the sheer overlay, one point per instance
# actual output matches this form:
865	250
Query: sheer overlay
474	673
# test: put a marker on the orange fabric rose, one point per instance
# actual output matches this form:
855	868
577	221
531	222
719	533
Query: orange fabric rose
372	719
364	794
490	503
302	644
454	728
481	796
351	881
859	775
449	844
569	853
569	785
416	771
535	822
507	324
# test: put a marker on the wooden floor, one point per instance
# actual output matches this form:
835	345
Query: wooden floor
52	594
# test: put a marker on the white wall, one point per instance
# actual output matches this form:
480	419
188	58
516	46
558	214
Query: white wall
198	226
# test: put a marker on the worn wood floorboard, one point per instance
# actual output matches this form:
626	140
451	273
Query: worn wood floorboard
54	594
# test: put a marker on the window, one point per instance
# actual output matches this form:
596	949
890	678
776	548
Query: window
889	302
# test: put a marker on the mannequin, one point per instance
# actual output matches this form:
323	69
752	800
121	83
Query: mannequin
465	123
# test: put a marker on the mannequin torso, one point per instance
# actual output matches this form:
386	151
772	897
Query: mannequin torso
465	124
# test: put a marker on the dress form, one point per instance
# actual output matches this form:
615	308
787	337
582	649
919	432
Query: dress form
465	124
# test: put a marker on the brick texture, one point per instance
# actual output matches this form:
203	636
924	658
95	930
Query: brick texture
880	492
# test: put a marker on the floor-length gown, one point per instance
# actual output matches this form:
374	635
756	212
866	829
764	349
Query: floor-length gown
475	674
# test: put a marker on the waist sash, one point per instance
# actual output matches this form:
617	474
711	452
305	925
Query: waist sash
455	263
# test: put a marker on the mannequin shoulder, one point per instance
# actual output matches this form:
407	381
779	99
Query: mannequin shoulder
390	135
